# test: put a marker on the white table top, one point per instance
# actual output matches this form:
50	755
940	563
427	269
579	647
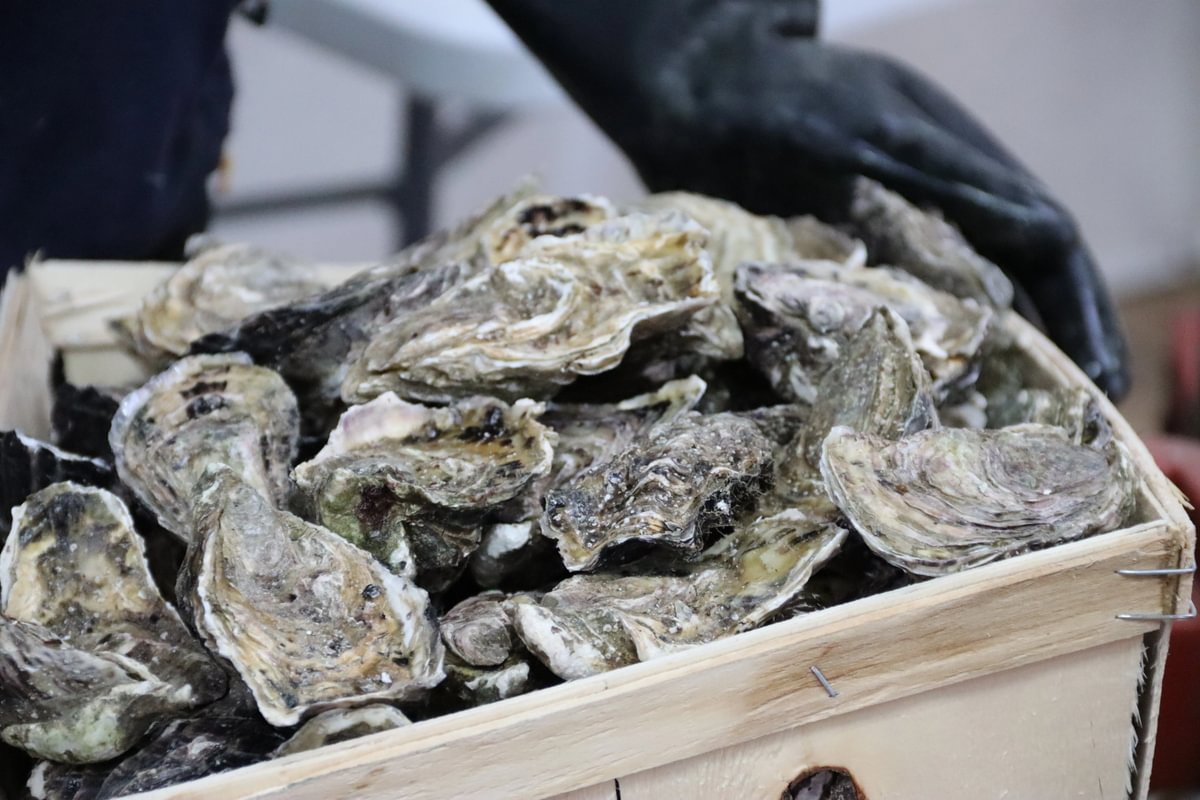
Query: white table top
441	48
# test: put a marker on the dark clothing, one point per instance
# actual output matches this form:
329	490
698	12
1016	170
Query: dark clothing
112	116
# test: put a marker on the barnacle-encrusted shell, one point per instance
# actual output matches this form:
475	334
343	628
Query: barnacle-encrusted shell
74	564
799	317
210	293
944	500
68	704
899	234
564	308
593	623
1073	409
671	487
410	484
308	620
204	410
342	725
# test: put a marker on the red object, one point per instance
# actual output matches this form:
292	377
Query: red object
1177	752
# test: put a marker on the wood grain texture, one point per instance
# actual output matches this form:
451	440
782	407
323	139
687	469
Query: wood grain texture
1055	729
26	355
601	791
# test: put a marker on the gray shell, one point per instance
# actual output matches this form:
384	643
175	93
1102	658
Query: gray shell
593	623
74	564
204	410
342	725
307	619
523	328
799	317
212	292
945	500
670	488
411	484
899	234
1074	410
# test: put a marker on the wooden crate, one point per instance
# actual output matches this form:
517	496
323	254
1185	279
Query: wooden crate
1016	680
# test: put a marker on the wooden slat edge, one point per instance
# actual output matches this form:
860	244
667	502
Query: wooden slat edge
878	649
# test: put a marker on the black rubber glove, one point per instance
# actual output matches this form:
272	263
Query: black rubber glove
112	116
734	98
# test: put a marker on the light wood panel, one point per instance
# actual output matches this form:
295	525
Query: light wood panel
1056	729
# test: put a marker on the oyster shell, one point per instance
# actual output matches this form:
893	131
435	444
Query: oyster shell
524	328
28	465
476	686
342	725
74	565
799	317
188	749
923	243
211	292
67	704
307	619
411	484
203	410
479	630
683	480
878	386
945	500
51	781
1073	409
593	623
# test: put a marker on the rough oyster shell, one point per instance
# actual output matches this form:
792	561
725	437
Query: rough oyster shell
67	704
523	328
1073	409
203	410
594	623
52	781
685	478
477	686
342	725
74	564
479	630
799	317
307	619
878	386
28	465
211	292
411	484
899	234
945	500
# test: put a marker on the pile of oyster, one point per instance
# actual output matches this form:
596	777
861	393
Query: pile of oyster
563	438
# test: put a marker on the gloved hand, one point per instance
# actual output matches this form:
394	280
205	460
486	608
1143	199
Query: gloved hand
736	99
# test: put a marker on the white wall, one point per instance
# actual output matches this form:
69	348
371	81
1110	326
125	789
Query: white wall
1097	96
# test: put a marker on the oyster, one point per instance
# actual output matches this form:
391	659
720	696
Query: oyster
28	465
945	500
479	630
524	328
680	482
594	623
307	619
74	565
476	686
735	237
411	484
187	749
52	781
211	292
878	386
798	318
67	704
1073	409
899	234
203	410
342	725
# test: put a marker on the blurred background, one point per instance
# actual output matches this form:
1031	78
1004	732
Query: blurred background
337	100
